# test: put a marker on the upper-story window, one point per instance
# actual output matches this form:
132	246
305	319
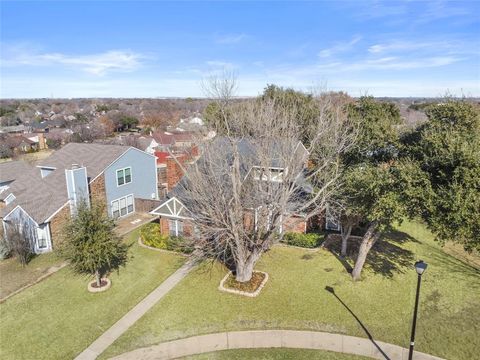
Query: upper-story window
268	174
124	176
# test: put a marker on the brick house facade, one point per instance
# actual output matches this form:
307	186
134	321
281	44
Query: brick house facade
57	223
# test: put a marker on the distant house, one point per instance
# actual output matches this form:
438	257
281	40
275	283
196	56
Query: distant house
16	129
145	143
167	140
44	197
164	139
42	127
38	139
20	144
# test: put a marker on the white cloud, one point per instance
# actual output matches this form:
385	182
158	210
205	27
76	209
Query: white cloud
96	64
219	63
339	47
230	38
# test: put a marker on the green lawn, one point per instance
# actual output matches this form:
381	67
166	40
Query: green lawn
13	276
273	354
58	318
295	298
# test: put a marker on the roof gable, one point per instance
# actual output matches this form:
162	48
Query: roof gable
171	208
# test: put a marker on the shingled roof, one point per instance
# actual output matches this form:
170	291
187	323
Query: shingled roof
42	197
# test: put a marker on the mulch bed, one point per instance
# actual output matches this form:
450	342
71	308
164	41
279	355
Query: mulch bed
249	286
102	284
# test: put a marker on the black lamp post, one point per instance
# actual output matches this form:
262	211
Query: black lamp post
420	267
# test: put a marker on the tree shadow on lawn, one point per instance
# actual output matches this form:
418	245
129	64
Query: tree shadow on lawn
331	290
386	257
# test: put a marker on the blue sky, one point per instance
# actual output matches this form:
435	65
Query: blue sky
150	49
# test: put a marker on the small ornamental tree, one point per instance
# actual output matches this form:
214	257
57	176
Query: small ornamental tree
91	244
19	239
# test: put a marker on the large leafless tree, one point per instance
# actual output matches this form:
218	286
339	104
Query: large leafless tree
263	169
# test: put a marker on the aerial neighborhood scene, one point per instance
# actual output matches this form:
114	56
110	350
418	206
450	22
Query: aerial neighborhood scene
240	180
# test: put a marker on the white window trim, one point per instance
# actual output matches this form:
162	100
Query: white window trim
176	226
123	169
48	239
126	203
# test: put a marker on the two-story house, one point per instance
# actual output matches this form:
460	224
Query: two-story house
44	197
175	213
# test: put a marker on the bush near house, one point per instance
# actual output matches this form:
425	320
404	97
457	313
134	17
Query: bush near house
310	240
151	236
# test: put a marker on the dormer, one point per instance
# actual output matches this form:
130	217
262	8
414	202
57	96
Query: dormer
46	170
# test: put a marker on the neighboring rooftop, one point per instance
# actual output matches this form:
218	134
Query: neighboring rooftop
41	197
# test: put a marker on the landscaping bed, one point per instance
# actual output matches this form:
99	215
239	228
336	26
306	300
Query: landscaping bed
151	236
250	288
296	298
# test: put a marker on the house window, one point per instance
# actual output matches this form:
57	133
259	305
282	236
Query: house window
124	176
122	206
42	242
268	174
175	227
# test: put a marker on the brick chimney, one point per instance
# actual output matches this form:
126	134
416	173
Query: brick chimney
174	172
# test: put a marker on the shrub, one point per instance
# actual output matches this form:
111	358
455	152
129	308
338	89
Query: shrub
311	240
151	236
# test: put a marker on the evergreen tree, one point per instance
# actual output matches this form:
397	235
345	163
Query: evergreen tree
91	244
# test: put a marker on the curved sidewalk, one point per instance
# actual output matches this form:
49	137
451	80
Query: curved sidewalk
272	339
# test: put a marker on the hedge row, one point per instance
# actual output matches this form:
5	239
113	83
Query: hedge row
311	240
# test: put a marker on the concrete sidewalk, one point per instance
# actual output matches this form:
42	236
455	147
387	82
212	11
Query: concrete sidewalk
122	325
272	339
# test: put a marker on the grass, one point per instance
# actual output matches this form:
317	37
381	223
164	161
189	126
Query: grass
295	297
14	276
273	354
58	318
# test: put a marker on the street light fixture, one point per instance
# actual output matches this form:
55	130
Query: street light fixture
420	268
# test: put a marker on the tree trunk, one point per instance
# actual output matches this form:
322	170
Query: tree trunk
98	278
346	231
244	268
368	240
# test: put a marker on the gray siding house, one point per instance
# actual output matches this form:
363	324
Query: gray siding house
42	198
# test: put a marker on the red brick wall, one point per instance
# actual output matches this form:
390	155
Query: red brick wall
294	224
174	172
97	190
57	223
164	229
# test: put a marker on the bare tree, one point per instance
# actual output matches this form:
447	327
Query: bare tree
19	238
249	182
